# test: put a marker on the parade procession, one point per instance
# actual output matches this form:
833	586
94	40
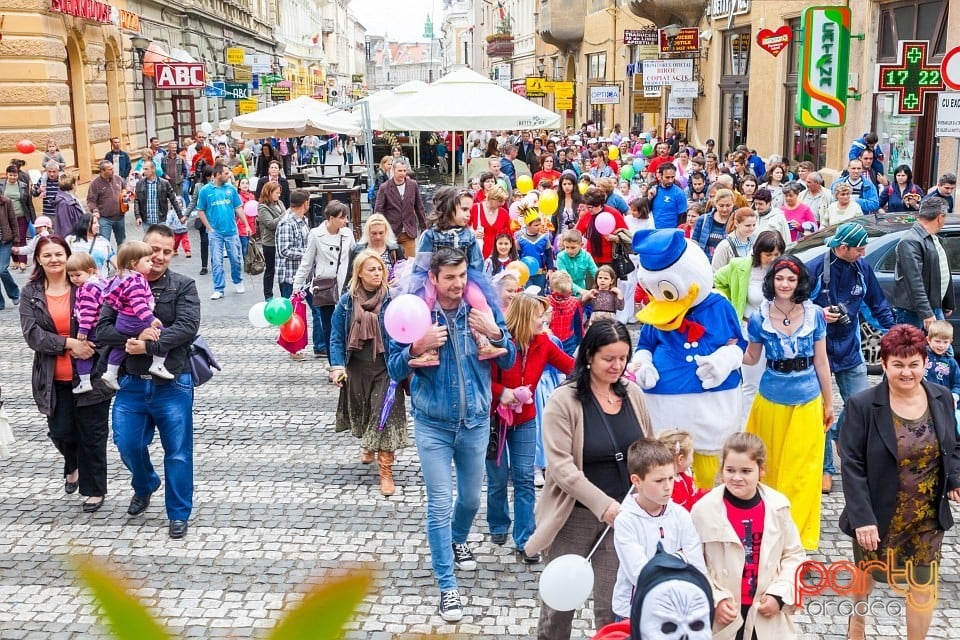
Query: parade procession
553	319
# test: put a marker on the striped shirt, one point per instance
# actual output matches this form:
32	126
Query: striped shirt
130	294
50	197
152	215
292	232
86	306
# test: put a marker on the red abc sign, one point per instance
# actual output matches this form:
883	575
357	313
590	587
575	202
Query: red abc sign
179	75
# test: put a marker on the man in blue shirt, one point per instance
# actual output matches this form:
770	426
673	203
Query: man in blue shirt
946	185
219	206
863	190
668	202
849	282
119	158
506	164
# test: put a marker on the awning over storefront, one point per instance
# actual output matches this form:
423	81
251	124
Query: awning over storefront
154	54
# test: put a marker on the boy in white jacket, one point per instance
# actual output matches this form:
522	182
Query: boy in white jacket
648	516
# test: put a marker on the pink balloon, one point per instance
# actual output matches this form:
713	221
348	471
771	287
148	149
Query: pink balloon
605	223
515	210
250	208
407	318
475	298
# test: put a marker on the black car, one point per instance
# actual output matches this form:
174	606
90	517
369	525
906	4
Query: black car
885	231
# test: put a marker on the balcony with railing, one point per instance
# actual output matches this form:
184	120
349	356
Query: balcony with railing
500	43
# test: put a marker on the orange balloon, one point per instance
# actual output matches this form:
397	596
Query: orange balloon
521	270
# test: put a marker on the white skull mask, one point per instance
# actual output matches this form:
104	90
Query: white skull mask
675	610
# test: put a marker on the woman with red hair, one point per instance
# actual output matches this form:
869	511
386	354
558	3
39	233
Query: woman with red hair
901	464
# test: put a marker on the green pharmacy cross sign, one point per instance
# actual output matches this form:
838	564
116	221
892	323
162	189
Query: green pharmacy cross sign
824	62
911	78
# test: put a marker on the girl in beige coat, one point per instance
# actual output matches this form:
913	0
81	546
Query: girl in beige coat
753	589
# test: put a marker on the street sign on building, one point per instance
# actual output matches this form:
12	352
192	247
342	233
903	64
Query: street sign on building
217	89
950	69
686	41
501	73
235	55
647	42
246	106
685	90
563	103
259	62
643	104
910	79
237	91
270	78
679	107
279	94
824	61
242	74
948	115
663	73
179	75
563	89
534	87
609	94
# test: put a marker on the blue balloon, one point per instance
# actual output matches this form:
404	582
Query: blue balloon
638	165
532	264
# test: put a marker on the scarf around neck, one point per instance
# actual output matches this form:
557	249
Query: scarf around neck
366	321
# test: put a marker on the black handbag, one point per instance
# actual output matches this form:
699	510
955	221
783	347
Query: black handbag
202	361
621	264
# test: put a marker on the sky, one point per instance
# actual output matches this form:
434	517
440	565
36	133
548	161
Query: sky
400	19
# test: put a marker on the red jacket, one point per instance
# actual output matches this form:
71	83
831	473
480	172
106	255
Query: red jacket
605	254
500	225
527	371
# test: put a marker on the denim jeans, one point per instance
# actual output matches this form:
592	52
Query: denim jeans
316	313
142	407
521	446
9	284
186	190
115	226
232	244
849	382
449	522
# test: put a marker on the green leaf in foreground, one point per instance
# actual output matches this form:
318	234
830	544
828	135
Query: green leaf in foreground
129	618
325	609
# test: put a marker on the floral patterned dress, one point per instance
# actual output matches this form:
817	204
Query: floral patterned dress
914	534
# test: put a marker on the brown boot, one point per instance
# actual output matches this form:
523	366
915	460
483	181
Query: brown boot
385	459
827	485
366	456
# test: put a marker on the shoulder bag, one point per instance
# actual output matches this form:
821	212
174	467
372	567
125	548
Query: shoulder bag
325	291
202	361
253	261
621	263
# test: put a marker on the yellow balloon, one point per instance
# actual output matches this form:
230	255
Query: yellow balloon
521	270
524	183
582	187
549	202
613	152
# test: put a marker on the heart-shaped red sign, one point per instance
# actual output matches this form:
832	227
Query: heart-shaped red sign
774	41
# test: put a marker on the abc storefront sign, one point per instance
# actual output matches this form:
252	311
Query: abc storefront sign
179	75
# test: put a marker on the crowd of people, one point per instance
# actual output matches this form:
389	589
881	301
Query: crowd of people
527	373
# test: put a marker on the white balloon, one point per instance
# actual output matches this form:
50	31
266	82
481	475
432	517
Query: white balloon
207	128
566	582
256	317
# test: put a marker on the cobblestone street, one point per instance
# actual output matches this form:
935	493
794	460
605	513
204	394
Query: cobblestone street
280	500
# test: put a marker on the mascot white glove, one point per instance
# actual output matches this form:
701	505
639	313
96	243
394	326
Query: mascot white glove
642	366
716	367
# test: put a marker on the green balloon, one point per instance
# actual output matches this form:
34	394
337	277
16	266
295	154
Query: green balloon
278	311
647	150
627	172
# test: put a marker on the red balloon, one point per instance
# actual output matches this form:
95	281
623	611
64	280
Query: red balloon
25	146
293	329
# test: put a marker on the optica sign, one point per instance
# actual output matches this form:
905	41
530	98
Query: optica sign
179	75
824	62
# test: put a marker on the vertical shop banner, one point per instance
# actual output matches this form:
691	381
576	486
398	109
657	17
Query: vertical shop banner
824	64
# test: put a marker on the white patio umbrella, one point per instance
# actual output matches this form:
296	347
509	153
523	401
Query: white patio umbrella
464	100
298	117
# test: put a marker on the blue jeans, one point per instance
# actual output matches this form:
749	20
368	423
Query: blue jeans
449	522
244	243
849	382
232	244
521	446
320	328
9	284
142	407
115	226
186	190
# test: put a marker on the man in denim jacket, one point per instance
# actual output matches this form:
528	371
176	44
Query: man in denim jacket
451	417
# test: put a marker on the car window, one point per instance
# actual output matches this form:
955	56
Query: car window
888	263
951	244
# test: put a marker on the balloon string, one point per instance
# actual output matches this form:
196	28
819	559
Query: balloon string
602	536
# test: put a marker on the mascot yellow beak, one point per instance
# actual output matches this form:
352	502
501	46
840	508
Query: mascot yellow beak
667	316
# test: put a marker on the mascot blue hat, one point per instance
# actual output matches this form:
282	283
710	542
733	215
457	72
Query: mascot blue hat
659	249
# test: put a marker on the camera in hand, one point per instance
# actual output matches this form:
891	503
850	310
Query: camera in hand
841	310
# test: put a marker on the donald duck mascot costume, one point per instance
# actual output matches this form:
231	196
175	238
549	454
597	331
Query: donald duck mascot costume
690	348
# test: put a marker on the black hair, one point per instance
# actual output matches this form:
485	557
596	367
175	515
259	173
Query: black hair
905	169
600	334
514	256
446	257
763	194
336	209
766	242
160	230
802	292
666	166
299	196
486	175
82	226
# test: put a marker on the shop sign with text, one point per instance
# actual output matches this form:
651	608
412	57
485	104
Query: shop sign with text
86	9
179	75
727	8
686	41
235	55
279	94
663	73
824	62
605	95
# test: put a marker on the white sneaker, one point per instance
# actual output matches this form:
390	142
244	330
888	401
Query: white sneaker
216	295
161	372
240	288
83	387
538	478
110	379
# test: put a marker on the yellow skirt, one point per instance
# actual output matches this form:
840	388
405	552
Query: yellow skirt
794	437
